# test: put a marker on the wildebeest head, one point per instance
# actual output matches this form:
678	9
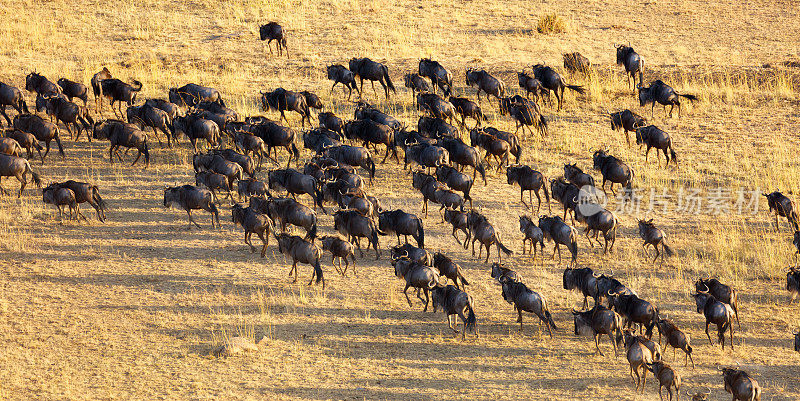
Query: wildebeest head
699	396
599	157
701	298
645	95
622	53
170	196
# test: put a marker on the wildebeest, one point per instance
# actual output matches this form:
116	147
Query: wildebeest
523	299
275	135
633	63
609	285
513	141
189	198
122	134
402	223
598	321
372	71
417	84
532	85
567	194
635	310
330	121
576	62
502	274
97	88
613	170
10	146
715	312
85	192
195	128
525	114
245	162
283	100
13	166
741	386
638	354
26	141
781	205
797	341
654	137
35	82
252	222
667	377
662	93
313	101
418	276
575	175
552	81
365	111
353	156
339	74
72	89
251	187
353	225
371	132
675	338
459	220
531	232
68	113
339	249
627	120
296	183
218	164
251	144
599	220
795	242
560	233
582	280
719	291
215	112
60	197
486	83
436	106
273	31
438	75
793	282
43	130
119	91
494	146
11	96
482	231
418	255
699	396
455	180
289	211
455	301
467	108
436	192
530	180
301	251
654	236
191	95
168	107
463	155
153	117
432	127
450	269
213	181
425	155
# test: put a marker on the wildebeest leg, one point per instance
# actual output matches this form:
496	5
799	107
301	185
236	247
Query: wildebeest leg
427	299
657	253
137	158
647	153
450	319
191	219
294	269
559	252
652	109
3	111
406	294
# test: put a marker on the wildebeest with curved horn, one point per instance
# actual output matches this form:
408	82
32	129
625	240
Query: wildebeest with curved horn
283	100
402	223
330	121
523	299
13	166
438	75
741	386
531	232
613	170
153	117
85	192
195	127
296	183
721	292
339	249
72	89
425	155
191	95
467	108
416	275
627	120
353	225
436	106
486	83
122	134
120	92
654	236
252	222
189	198
97	88
372	71
456	180
662	93
409	251
576	176
436	128
301	251
781	205
635	310
38	83
633	63
463	155
455	301
450	269
599	220
339	74
556	230
11	96
715	312
567	194
482	231
68	113
353	156
576	62
502	274
583	280
43	130
530	180
273	31
372	132
598	321
552	81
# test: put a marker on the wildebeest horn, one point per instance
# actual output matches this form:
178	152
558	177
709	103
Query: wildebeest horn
574	312
406	254
707	289
596	275
610	293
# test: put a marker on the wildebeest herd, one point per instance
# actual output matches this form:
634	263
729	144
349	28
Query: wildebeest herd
240	150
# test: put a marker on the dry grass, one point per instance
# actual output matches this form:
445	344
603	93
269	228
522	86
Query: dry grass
132	309
550	24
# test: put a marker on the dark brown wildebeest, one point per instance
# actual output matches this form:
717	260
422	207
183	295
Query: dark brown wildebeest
288	211
400	223
247	163
483	231
331	121
118	91
409	251
456	180
796	243
583	280
276	136
97	88
339	249
430	127
85	192
60	197
371	132
36	82
627	120
13	166
189	198
436	106
633	63
72	89
215	112
667	377
662	93
793	281
502	274
494	146
486	83
353	156
639	355
459	220
635	310
454	301
301	251
214	182
319	139
450	269
425	155
715	312
552	81
721	292
296	183
530	180
523	299
11	96
10	146
741	386
248	187
372	71
353	225
567	194
654	236
252	222
26	141
675	338
598	321
416	275
576	63
365	111
613	170
417	84
515	148
699	396
598	220
436	192
69	113
532	85
438	75
122	134
282	100
560	233
576	176
339	74
525	113
170	108
249	143
531	232
190	95
43	130
781	205
313	101
467	108
273	31
195	128
463	155
150	116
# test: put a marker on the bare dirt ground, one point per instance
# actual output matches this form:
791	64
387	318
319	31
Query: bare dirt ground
131	309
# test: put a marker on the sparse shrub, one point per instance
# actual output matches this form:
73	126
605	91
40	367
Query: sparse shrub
551	23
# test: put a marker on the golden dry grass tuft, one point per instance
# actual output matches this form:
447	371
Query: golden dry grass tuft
550	24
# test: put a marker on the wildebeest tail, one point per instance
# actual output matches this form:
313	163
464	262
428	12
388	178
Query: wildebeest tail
36	178
295	152
542	125
23	106
136	86
691	98
472	321
550	318
96	197
371	164
388	79
481	171
420	233
312	233
652	323
503	247
220	101
667	249
577	88
146	152
672	153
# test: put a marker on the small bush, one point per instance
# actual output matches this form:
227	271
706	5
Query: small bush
551	23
